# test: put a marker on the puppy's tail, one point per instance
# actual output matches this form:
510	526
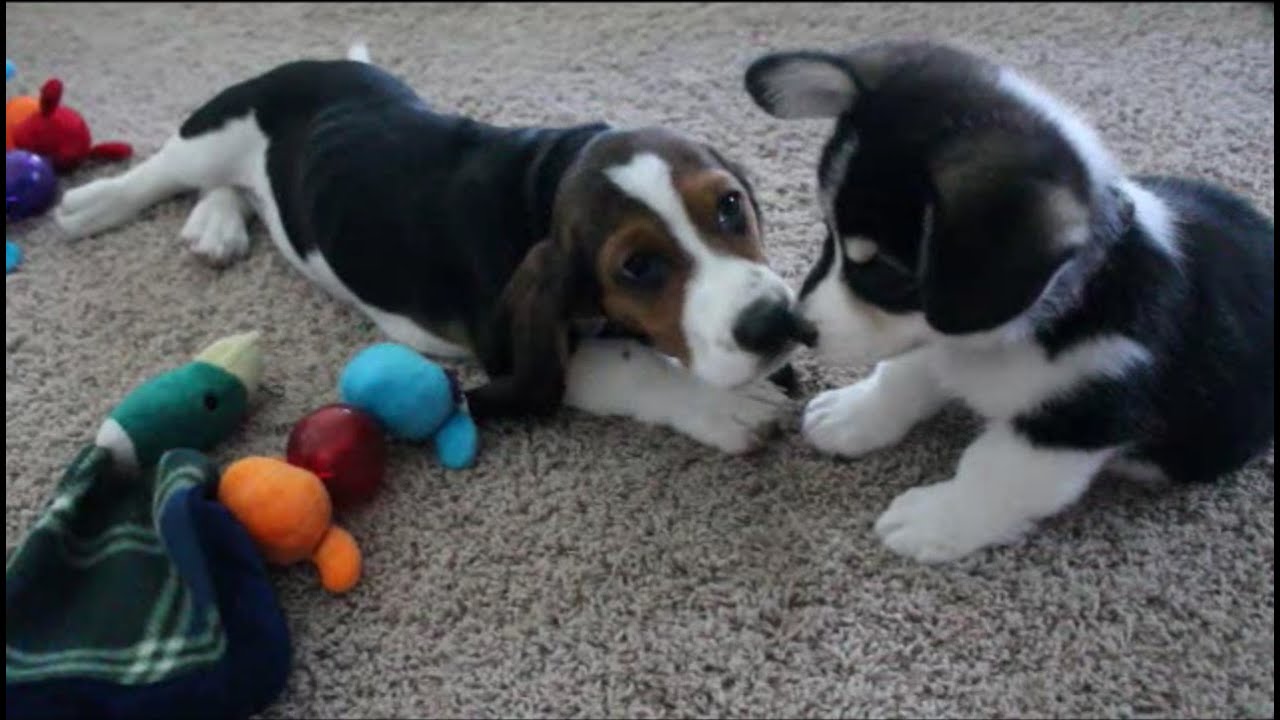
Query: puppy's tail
359	51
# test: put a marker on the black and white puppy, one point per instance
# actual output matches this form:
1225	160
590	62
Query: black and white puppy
982	245
462	238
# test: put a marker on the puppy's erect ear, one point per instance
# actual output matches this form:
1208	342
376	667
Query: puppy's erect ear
996	232
812	84
802	84
534	309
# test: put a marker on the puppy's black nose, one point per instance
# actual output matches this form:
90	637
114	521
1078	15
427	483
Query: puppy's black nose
766	326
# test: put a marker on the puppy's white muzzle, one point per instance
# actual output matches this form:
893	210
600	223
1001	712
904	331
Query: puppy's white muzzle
851	331
741	322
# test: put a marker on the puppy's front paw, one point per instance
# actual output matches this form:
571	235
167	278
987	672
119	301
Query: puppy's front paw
851	421
945	521
216	228
737	422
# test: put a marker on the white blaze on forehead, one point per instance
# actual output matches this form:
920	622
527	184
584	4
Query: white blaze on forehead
647	178
721	285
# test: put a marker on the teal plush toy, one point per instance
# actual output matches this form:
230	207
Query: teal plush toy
413	398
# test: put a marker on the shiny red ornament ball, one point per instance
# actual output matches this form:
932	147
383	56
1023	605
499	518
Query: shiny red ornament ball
344	446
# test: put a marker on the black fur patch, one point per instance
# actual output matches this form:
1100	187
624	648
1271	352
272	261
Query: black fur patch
419	213
1207	403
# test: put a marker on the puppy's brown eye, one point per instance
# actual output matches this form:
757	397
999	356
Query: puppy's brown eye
644	270
731	216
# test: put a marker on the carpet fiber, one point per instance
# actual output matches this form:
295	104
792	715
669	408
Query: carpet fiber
596	567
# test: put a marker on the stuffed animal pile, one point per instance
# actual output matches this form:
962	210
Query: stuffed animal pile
144	544
336	457
42	138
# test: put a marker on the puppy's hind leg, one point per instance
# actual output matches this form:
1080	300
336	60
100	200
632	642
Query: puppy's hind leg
213	159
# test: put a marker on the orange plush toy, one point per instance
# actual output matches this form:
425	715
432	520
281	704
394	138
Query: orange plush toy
58	133
16	110
288	513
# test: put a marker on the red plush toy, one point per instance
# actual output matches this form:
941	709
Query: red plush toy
60	135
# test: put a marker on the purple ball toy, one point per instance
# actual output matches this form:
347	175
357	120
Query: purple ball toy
30	186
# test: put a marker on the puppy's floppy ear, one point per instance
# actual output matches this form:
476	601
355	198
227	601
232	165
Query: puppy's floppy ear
802	84
534	309
997	230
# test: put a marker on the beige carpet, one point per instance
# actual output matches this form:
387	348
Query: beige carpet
592	567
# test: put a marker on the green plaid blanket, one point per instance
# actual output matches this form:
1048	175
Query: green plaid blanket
140	596
137	621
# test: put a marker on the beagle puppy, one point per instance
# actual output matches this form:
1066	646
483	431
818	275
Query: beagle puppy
618	271
983	245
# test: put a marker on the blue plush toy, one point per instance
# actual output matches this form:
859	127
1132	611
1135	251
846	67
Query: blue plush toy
12	256
414	398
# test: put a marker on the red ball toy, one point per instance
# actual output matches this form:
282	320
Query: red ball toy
345	447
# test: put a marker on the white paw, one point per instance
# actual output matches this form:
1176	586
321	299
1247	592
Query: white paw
194	227
851	421
735	422
92	208
216	228
945	521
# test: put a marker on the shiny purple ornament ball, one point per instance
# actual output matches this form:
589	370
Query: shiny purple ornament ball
30	185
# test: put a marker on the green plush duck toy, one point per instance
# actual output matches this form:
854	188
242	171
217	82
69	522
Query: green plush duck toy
193	406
